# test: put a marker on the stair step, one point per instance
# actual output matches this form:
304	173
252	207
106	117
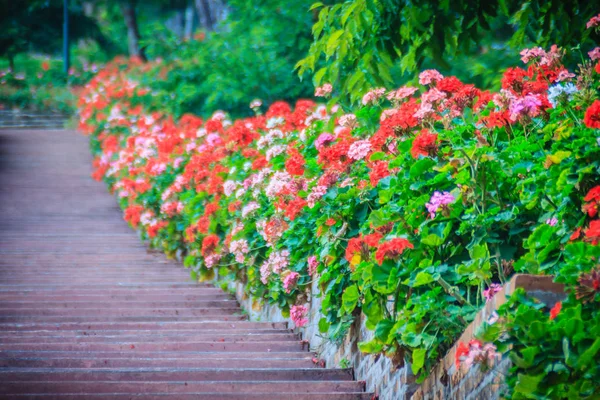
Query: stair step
193	362
153	346
173	374
199	396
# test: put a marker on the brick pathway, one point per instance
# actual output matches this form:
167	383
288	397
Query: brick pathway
86	312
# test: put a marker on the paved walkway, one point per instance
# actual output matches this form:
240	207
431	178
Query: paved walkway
87	312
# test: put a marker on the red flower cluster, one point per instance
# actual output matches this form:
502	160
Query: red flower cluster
295	163
392	249
592	115
209	244
424	144
593	201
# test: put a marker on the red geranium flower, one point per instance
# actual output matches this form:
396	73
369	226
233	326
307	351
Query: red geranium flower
379	170
555	310
461	351
392	249
424	144
592	115
295	163
593	232
593	199
209	244
294	208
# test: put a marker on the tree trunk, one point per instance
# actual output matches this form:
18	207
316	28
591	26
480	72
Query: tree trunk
188	28
133	33
178	22
204	14
11	63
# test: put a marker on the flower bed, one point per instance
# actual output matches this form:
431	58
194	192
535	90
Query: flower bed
413	210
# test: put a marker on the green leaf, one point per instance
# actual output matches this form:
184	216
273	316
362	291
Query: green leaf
420	166
432	240
379	155
527	384
587	356
422	278
323	325
372	347
316	5
418	360
350	299
333	42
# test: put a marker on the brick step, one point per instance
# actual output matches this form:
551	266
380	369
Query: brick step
256	347
138	387
156	337
204	362
174	374
146	298
218	388
149	325
200	396
149	333
225	303
157	355
120	312
82	279
112	318
115	288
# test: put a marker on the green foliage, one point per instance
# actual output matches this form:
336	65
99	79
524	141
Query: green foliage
251	56
552	358
363	44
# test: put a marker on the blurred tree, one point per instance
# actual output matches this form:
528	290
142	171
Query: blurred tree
37	26
359	44
128	8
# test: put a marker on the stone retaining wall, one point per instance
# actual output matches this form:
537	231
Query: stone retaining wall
445	382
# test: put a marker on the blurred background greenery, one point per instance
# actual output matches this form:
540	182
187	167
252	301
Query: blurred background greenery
222	54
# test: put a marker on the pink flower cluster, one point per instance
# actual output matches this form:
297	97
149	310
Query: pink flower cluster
437	201
552	221
249	208
298	315
315	195
480	353
430	75
323	140
278	182
239	248
593	22
323	91
401	94
278	261
492	290
359	149
290	280
212	260
543	57
313	263
348	120
527	106
229	187
373	95
428	102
